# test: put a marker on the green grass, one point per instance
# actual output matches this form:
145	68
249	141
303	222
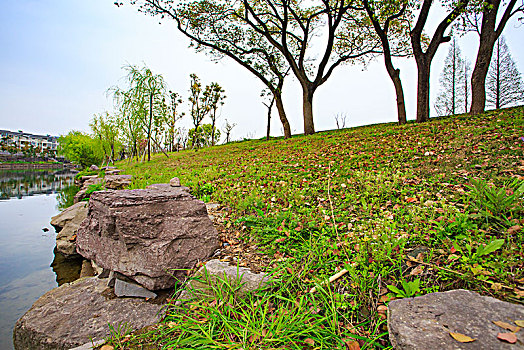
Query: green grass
371	199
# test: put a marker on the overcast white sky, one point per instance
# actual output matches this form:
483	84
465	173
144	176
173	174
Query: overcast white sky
58	58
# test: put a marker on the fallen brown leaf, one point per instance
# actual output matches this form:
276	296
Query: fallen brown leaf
507	337
107	347
461	337
309	341
519	323
352	344
507	326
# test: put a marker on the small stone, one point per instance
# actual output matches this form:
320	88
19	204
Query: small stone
87	269
116	182
94	168
126	289
45	229
174	182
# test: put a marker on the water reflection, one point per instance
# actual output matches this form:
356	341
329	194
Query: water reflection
22	183
66	269
29	200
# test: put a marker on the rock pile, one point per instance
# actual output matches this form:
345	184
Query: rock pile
151	236
111	180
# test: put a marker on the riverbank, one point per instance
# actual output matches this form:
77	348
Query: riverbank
23	166
405	210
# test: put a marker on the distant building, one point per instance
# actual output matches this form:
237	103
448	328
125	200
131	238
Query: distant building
22	140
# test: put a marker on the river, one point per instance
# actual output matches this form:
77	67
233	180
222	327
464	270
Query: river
28	200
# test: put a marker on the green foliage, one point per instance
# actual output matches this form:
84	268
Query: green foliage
497	204
409	289
203	136
66	196
81	148
94	188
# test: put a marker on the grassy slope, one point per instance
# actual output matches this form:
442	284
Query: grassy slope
364	199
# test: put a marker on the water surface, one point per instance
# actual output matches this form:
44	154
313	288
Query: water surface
29	200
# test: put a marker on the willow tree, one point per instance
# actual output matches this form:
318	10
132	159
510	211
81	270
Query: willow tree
106	129
487	18
140	99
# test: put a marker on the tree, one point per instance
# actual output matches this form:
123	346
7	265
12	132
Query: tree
287	27
216	99
340	120
389	21
144	102
424	55
175	115
504	83
451	97
106	129
269	108
202	135
227	130
80	148
220	35
487	18
200	106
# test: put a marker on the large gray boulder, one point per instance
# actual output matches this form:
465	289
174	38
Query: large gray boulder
60	220
426	322
76	313
66	238
149	235
116	182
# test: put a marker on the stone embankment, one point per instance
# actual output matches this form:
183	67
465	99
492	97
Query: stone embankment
140	244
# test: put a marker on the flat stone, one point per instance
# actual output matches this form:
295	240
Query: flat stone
216	271
60	220
149	235
425	322
113	172
66	238
175	182
116	182
126	289
76	313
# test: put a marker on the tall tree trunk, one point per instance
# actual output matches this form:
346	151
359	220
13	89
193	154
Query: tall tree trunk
478	78
213	129
488	35
269	108
307	100
149	128
282	116
394	74
423	90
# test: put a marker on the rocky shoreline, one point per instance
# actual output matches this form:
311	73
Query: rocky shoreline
136	245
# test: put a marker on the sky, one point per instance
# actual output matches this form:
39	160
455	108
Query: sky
59	57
